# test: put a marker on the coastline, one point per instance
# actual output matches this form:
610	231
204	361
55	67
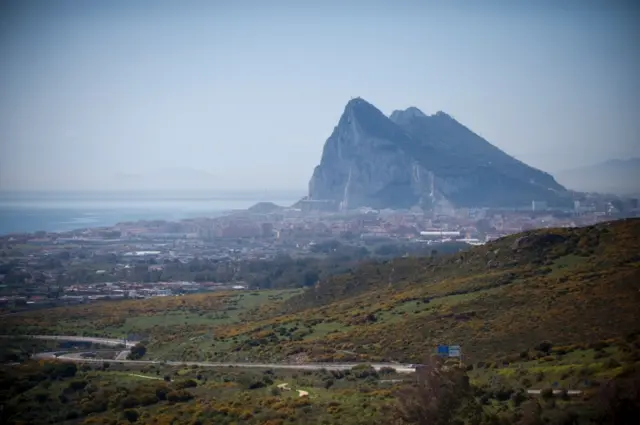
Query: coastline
28	212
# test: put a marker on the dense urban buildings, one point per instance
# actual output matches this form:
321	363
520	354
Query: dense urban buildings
161	258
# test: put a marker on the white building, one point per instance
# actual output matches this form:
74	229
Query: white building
162	292
440	234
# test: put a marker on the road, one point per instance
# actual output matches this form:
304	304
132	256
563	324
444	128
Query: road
556	392
121	357
93	340
302	366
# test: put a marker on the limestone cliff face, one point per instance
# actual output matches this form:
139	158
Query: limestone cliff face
411	159
362	163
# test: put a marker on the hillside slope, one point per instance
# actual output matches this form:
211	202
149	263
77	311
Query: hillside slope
569	286
565	285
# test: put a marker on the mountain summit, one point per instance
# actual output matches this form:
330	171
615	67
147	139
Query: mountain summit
402	117
413	159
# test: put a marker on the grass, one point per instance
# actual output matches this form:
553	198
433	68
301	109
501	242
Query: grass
571	286
323	329
569	368
440	305
566	265
175	327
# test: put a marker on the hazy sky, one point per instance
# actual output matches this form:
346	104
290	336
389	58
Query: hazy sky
242	94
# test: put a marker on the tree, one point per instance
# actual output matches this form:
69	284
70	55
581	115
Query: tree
441	395
137	351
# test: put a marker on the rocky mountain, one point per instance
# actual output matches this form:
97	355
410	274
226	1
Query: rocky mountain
615	176
412	159
265	208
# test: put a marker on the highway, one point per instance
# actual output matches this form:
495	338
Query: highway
121	357
93	340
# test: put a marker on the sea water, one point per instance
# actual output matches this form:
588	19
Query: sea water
64	211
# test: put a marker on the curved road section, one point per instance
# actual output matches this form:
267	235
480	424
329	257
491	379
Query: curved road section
103	341
122	357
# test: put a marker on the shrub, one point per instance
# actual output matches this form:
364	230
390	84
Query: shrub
439	396
531	414
129	402
547	393
275	391
256	384
77	385
147	399
74	414
600	354
599	346
130	415
41	397
544	346
338	374
189	383
620	400
179	396
161	392
612	363
364	371
137	352
503	393
518	397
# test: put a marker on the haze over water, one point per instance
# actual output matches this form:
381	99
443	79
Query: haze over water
60	211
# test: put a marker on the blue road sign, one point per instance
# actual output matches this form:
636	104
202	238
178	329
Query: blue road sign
443	350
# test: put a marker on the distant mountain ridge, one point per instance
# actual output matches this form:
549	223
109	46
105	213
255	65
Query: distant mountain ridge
413	159
615	176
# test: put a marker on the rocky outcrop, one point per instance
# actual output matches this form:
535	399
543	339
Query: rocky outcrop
412	159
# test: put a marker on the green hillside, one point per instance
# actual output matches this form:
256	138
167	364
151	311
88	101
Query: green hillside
537	314
565	285
569	286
